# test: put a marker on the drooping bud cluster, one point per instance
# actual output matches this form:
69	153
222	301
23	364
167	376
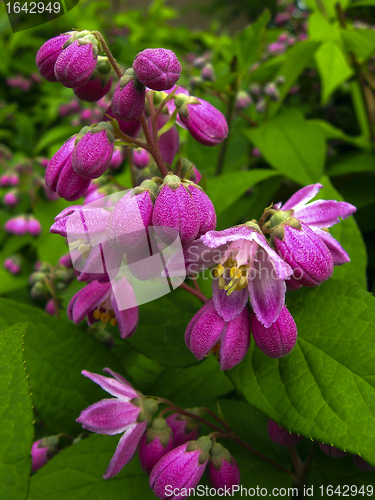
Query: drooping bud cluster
23	224
13	264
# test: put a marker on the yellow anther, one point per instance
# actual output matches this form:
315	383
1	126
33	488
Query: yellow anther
104	317
232	272
84	250
113	322
111	314
221	283
219	271
97	314
243	282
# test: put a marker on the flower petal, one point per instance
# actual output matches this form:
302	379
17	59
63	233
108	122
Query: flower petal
114	387
87	299
228	306
339	256
126	449
282	269
109	416
127	319
213	239
324	213
301	197
235	342
118	377
267	290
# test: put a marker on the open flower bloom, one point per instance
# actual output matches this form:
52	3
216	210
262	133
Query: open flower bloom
319	215
129	412
97	301
248	267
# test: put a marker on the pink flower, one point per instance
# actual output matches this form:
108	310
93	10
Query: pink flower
47	55
77	62
128	101
184	428
129	412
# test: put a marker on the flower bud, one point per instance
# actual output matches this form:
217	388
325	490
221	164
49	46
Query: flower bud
261	106
10	199
77	62
222	469
17	225
243	100
141	158
184	428
302	249
175	212
99	84
169	141
60	176
206	210
129	128
155	443
34	227
43	450
66	261
189	171
281	436
128	101
13	264
93	150
38	290
158	69
205	123
181	468
272	91
50	307
362	464
208	72
277	340
255	89
116	159
332	451
47	55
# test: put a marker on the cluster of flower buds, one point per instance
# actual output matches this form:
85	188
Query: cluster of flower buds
46	275
23	224
170	450
281	436
9	179
13	264
260	94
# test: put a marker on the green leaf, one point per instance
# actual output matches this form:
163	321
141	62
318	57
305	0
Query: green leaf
362	3
291	145
332	132
76	474
326	7
332	67
17	430
359	108
56	351
54	135
349	236
360	42
298	58
352	163
325	388
161	330
247	45
226	189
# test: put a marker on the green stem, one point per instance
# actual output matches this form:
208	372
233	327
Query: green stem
108	53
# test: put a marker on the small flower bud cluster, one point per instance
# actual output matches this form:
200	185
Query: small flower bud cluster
13	264
43	277
170	450
23	224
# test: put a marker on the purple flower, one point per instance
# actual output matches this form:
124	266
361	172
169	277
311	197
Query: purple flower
116	160
204	122
128	101
277	340
332	451
222	469
12	264
50	307
248	267
47	55
10	199
155	443
60	176
77	62
93	150
129	412
184	428
208	332
97	301
17	225
158	69
318	216
281	436
181	468
141	158
33	226
93	90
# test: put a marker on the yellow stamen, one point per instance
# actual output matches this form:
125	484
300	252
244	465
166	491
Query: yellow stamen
113	322
97	314
219	271
104	317
84	250
221	283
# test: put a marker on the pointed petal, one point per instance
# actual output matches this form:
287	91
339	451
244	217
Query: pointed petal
112	386
109	416
235	341
339	256
301	197
127	319
228	306
87	299
118	377
267	290
126	449
282	269
324	213
213	239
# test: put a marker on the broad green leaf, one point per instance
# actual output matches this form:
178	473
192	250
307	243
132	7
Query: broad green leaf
291	145
76	474
349	236
360	42
352	163
333	68
362	3
248	42
325	388
326	7
227	188
16	413
359	190
332	132
161	330
319	28
53	136
56	351
297	59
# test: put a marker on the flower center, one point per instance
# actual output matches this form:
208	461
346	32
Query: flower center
106	315
238	274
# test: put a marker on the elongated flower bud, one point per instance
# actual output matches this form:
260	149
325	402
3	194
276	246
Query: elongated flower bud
128	101
156	443
141	158
222	469
158	69
99	84
47	55
184	428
